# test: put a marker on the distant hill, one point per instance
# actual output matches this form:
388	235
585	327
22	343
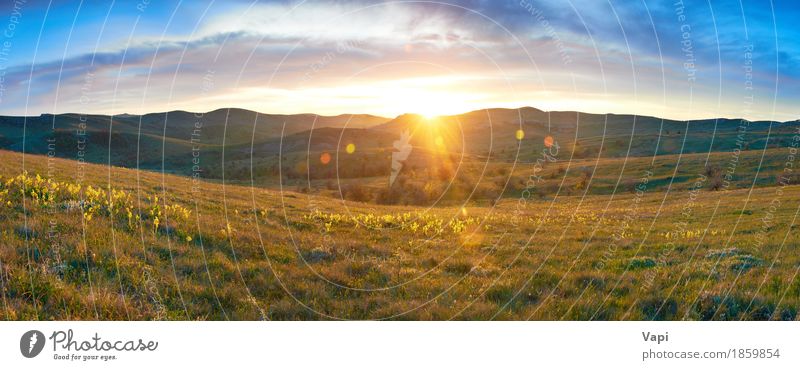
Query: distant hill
161	141
238	143
491	134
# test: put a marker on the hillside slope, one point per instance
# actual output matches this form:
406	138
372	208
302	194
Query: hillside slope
141	245
161	141
227	143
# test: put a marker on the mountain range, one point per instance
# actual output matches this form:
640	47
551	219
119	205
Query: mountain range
238	144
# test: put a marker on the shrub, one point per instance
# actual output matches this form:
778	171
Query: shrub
458	267
357	193
642	263
500	294
659	309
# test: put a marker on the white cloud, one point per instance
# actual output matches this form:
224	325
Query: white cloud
335	22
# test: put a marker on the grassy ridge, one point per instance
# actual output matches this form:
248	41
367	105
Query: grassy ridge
232	141
254	253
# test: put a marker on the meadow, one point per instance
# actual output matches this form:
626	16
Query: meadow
87	241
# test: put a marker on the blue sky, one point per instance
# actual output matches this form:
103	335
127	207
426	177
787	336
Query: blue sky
701	59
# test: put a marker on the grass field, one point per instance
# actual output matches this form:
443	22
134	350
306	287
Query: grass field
142	245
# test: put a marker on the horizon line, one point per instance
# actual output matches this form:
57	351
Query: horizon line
399	115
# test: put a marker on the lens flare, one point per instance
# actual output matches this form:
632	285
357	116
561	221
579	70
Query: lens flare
325	158
548	141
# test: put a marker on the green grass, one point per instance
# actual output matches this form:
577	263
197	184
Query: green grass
257	253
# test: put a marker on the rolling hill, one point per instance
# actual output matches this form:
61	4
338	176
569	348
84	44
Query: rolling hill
92	242
273	150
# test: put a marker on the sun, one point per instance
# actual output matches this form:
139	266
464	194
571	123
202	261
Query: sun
427	104
429	118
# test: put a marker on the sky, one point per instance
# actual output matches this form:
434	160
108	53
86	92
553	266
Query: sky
675	59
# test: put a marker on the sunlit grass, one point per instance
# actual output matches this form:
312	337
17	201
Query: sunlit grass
143	246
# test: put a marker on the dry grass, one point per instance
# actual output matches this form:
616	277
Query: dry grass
252	253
